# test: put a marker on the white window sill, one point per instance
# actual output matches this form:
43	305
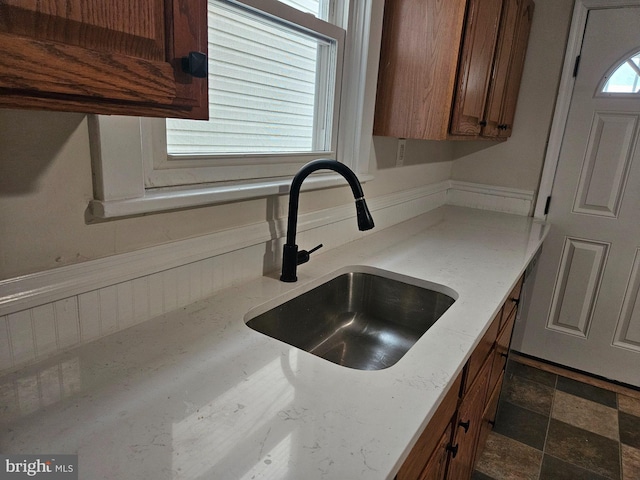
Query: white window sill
158	200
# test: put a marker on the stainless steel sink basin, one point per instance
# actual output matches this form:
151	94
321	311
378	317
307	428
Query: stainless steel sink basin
360	320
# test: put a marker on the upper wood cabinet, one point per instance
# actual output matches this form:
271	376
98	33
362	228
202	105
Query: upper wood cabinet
476	61
508	66
418	61
451	70
116	57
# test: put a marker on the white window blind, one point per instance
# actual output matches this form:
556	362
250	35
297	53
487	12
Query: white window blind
272	84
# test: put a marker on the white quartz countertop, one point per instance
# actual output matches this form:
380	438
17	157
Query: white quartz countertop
196	394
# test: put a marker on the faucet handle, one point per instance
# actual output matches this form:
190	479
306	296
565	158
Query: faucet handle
303	255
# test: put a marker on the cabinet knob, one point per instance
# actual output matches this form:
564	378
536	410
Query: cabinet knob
453	449
195	64
482	123
465	425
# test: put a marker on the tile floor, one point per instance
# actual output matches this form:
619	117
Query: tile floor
550	427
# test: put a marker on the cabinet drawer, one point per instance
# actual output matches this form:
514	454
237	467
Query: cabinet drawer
511	303
501	350
481	352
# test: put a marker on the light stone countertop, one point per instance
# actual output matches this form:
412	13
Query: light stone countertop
196	394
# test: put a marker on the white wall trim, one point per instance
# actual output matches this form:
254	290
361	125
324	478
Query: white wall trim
43	287
35	289
45	313
489	197
565	91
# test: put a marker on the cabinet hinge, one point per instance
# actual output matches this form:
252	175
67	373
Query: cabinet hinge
576	66
546	205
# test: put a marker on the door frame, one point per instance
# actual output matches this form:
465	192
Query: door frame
565	92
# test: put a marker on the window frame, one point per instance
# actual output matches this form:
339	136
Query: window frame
129	156
163	169
613	69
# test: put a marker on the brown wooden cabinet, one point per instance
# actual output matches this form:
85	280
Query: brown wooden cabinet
450	444
451	70
116	57
476	62
429	442
468	425
436	468
418	61
507	68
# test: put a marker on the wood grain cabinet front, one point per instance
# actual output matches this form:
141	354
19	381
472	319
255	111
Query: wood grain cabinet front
115	57
429	443
451	70
452	441
468	425
476	61
508	66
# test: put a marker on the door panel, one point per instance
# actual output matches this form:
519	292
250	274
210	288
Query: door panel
628	330
577	285
606	165
582	309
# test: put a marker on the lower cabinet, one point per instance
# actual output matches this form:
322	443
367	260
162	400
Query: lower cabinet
449	445
437	465
468	424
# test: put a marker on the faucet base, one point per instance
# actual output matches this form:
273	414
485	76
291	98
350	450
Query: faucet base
289	263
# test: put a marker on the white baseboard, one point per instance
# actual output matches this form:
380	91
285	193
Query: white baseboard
47	312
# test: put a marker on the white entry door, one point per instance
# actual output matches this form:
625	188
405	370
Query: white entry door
584	310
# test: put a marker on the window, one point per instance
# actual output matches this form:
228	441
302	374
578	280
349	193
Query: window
290	81
272	84
625	77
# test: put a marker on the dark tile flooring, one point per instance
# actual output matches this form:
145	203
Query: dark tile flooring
550	427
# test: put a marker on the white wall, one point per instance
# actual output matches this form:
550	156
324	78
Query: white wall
45	187
517	163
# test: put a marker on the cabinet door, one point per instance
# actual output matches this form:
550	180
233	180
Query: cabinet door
115	57
501	351
436	468
476	61
430	439
418	61
489	415
468	426
509	63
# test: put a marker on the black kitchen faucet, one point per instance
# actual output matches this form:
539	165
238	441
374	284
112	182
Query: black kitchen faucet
291	257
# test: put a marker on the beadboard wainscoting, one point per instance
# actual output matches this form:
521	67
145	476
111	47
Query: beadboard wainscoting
48	312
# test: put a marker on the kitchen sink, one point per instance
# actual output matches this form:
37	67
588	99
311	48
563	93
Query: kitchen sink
358	319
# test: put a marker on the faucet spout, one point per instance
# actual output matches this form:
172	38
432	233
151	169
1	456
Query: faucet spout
291	258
